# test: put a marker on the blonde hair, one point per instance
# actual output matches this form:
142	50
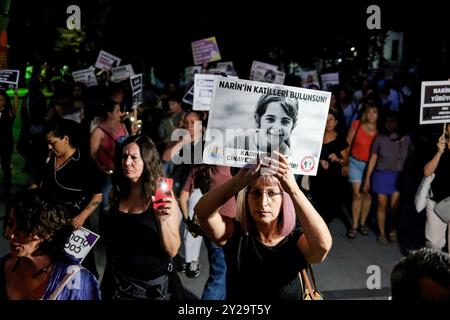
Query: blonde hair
286	218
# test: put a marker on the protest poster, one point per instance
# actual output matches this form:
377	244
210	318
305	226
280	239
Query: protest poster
85	76
80	243
226	67
189	73
107	61
188	97
9	79
329	80
249	119
122	73
265	72
203	90
435	102
310	79
205	51
136	90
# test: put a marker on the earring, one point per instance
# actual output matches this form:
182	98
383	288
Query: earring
12	236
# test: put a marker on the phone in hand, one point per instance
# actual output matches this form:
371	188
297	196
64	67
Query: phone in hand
163	190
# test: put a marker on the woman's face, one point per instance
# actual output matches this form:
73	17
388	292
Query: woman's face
175	106
277	123
20	244
372	115
116	114
391	124
331	123
189	124
132	162
264	203
59	146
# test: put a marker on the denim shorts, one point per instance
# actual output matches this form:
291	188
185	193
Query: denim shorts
356	169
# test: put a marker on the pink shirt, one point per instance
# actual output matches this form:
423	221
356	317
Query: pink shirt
107	149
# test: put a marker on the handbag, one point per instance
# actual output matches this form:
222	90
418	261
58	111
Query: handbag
442	210
309	293
423	193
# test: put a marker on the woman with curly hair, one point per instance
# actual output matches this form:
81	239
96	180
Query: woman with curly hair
37	267
141	241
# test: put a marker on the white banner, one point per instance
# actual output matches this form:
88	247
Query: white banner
203	90
122	73
85	76
310	79
249	119
265	72
107	61
329	80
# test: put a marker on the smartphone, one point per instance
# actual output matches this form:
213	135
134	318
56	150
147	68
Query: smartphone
163	190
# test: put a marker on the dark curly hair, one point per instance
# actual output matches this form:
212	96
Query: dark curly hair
152	169
36	213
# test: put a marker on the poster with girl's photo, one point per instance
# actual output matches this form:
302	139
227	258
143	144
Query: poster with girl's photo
250	119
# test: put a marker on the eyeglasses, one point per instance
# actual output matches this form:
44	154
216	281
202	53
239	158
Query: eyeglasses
257	194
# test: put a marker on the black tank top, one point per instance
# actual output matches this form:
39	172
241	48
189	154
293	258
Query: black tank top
134	244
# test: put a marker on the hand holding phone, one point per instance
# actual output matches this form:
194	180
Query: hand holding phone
163	190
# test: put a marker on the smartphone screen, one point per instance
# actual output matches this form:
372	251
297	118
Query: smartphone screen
163	190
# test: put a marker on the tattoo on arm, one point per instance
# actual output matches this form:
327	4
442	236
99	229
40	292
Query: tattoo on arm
94	204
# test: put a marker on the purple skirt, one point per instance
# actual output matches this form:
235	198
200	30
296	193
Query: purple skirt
385	182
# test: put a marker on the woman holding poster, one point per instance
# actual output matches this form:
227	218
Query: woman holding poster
38	268
275	118
262	244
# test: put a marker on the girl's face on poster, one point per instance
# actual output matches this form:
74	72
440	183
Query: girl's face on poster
276	121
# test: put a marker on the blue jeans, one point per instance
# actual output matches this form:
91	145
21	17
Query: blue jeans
215	287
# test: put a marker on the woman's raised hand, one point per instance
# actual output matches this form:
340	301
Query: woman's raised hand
278	166
165	207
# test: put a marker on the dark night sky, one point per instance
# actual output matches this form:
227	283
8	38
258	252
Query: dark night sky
160	32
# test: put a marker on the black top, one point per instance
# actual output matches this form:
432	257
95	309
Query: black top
440	184
74	183
335	146
257	272
134	245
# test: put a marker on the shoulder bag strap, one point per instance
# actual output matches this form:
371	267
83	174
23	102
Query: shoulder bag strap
313	278
306	285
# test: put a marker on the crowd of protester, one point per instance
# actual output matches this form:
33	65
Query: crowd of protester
84	147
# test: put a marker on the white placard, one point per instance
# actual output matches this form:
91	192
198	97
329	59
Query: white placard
329	80
85	76
250	119
136	89
80	243
107	61
203	91
435	102
265	72
9	79
122	73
